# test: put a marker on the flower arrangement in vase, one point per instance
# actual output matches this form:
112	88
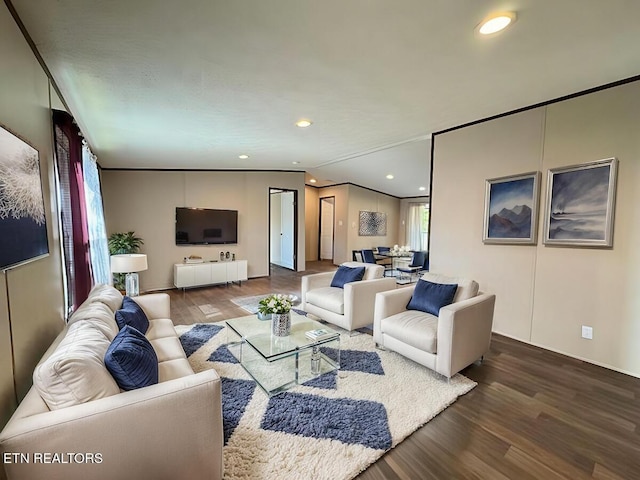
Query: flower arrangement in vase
279	307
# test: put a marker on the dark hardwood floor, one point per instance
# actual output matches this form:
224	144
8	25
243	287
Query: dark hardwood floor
535	414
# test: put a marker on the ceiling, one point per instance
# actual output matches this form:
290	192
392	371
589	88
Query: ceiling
194	83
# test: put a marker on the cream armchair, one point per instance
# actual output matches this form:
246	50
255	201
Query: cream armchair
350	307
446	343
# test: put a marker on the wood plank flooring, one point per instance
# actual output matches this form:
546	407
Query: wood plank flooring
535	414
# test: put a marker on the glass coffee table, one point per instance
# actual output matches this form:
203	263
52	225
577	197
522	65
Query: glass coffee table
280	363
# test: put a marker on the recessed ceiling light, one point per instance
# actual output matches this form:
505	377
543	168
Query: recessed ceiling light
390	177
496	22
243	156
422	189
313	180
303	123
295	163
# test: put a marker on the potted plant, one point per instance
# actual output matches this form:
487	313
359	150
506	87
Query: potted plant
122	243
279	307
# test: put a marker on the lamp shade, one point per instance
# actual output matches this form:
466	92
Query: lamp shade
129	262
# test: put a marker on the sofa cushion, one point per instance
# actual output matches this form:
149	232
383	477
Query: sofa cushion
131	360
75	373
98	313
466	288
168	348
346	274
413	327
160	328
132	314
172	369
106	294
327	298
431	297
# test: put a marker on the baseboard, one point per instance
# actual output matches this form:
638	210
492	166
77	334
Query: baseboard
566	354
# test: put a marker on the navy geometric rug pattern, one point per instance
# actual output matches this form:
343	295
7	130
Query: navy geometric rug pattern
345	419
200	334
235	397
327	381
332	426
222	354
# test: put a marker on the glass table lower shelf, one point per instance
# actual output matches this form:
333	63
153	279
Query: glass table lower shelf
280	363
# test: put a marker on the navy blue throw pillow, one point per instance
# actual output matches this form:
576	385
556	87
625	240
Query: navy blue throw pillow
431	297
132	314
346	274
131	360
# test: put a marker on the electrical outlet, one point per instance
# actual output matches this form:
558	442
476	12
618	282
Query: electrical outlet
587	332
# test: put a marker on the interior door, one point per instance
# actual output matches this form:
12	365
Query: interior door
287	229
282	227
327	214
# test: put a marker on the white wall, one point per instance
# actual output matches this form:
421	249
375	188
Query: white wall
34	304
349	201
145	201
545	294
311	223
361	199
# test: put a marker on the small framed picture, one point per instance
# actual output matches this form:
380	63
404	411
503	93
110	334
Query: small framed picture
511	209
580	204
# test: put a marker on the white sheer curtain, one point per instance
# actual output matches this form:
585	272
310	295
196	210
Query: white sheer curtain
98	247
417	221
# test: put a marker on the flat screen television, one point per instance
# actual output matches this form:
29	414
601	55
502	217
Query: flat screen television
206	226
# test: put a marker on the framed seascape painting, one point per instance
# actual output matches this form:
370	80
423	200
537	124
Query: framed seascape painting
22	216
511	209
580	204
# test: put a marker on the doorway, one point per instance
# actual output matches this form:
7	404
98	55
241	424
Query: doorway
327	221
283	227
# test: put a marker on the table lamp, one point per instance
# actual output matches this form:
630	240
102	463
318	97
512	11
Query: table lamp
129	263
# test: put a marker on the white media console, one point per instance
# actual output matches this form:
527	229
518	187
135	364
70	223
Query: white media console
187	275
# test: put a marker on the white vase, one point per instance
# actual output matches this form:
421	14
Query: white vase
281	324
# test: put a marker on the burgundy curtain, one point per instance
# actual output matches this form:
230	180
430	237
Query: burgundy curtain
73	209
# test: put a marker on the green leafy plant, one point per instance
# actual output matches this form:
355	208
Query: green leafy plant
123	243
274	304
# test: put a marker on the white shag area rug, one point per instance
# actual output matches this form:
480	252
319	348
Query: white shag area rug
332	427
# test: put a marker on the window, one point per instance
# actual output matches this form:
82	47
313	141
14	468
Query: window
418	226
98	246
84	243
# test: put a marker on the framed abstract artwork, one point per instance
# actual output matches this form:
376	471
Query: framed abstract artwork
22	214
580	204
372	224
511	209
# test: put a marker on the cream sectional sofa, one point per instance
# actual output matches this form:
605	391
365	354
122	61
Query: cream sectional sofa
75	422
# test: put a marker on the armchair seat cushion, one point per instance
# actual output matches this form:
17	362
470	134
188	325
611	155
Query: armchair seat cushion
413	327
327	298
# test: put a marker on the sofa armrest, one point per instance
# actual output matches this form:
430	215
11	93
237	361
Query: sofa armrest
387	304
315	280
172	430
154	305
360	297
464	333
